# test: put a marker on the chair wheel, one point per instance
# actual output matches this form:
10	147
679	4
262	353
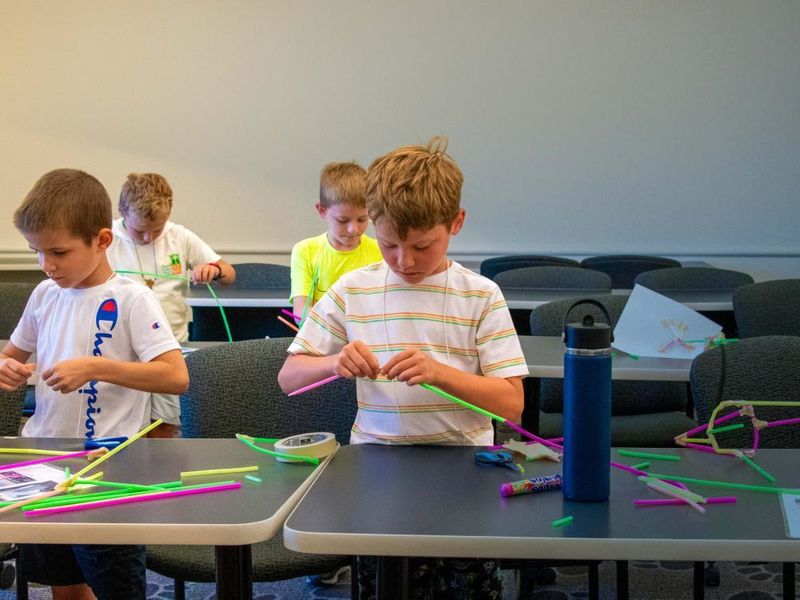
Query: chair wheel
7	575
711	576
546	576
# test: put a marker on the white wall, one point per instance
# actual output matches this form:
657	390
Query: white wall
582	127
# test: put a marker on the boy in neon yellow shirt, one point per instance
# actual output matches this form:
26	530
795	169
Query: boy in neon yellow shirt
319	261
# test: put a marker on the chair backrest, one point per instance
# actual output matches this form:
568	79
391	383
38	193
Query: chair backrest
262	275
492	266
768	308
692	278
234	389
756	369
13	298
628	397
11	411
623	268
554	278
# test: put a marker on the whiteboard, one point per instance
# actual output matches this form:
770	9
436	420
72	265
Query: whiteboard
581	127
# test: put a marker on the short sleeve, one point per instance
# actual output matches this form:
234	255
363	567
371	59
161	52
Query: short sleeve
150	332
324	331
26	333
300	271
497	343
197	251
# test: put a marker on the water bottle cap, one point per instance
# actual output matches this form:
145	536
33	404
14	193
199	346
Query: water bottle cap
588	335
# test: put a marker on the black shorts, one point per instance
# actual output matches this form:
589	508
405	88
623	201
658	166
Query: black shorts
112	572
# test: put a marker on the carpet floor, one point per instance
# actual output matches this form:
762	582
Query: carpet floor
648	581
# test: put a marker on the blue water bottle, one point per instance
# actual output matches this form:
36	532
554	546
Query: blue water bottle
587	407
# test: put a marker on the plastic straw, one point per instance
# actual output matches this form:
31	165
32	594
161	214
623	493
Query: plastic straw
122	486
249	442
562	522
289	313
728	484
673	492
221	312
131	499
44	460
628	469
760	470
679	489
782	422
253	478
700	428
123	445
650	455
641	465
678	502
291	326
725	428
218	471
34	451
91	497
314	385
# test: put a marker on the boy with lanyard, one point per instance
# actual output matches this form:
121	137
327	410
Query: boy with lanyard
319	261
166	254
414	318
102	347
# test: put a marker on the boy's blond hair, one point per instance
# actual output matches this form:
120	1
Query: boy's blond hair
415	187
65	199
343	183
146	195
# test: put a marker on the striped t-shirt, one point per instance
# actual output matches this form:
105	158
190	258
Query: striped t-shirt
457	316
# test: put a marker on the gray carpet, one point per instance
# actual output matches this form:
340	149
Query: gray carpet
648	581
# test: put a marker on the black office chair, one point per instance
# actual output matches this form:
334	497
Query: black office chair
623	268
553	278
234	389
492	266
246	323
644	413
692	278
10	411
758	368
767	308
13	298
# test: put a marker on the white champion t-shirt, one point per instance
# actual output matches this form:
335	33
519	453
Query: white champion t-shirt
121	320
175	252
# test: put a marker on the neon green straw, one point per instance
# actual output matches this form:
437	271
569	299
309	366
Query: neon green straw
728	484
650	455
641	465
562	522
253	478
726	428
78	498
246	441
310	297
181	278
763	473
226	471
478	409
117	485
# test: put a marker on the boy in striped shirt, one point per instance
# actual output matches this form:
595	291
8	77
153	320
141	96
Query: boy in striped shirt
417	317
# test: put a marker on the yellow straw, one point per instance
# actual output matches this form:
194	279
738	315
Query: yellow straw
34	451
217	471
124	444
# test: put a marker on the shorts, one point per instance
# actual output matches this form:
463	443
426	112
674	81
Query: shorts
166	407
113	572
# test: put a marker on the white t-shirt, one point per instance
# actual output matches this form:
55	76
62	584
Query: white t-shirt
176	251
458	317
121	320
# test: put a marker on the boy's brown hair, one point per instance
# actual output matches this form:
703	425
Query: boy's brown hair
415	187
342	183
65	199
146	195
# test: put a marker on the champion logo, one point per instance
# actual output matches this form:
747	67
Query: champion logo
105	320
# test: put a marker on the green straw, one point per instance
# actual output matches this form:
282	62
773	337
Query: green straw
244	439
122	486
763	473
726	428
180	278
477	409
253	478
650	455
562	522
728	484
641	465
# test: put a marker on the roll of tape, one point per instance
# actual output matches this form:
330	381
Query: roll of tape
316	445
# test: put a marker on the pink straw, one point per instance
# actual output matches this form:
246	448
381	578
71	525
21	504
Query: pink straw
44	460
629	469
130	499
289	313
676	502
698	447
783	422
535	438
314	385
727	417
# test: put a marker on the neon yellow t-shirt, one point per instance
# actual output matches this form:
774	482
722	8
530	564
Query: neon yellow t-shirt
317	252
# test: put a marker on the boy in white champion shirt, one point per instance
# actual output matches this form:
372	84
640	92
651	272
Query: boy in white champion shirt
414	318
103	345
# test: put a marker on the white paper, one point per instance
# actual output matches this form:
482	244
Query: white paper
654	325
25	482
791	514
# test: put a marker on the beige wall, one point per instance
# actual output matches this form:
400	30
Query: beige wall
582	127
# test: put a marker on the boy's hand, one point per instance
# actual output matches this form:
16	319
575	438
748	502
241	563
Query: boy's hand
356	360
413	367
13	374
205	273
68	375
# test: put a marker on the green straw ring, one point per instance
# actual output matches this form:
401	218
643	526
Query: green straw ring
294	457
